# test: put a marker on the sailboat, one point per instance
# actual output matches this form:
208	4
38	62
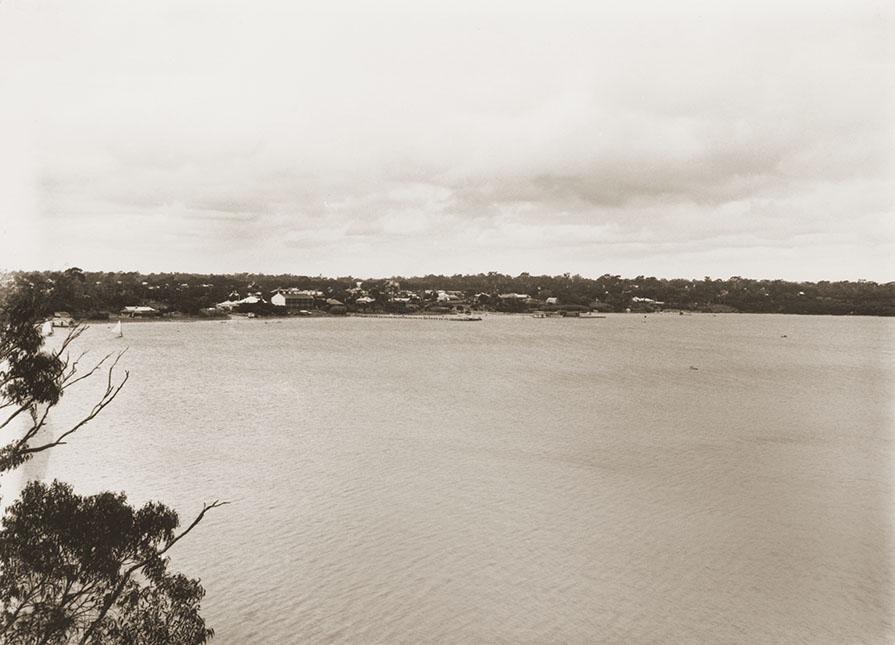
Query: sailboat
116	330
46	329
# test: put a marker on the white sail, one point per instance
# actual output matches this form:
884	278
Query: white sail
116	331
47	329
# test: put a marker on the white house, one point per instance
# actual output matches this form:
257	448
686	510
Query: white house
139	311
448	297
294	298
229	305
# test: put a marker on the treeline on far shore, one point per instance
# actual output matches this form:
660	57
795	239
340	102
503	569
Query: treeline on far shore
99	294
90	294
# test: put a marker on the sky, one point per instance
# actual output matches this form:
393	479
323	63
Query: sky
406	138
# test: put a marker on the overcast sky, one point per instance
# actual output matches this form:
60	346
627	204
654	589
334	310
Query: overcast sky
335	138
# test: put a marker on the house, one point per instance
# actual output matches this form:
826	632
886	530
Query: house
293	299
139	312
645	304
449	297
230	305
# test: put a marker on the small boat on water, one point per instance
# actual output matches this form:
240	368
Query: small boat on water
116	330
465	318
46	329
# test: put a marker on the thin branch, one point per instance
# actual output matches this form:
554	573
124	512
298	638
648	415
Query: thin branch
24	406
70	337
112	368
205	508
67	384
37	424
71	370
107	398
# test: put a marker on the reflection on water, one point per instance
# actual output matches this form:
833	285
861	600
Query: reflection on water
514	479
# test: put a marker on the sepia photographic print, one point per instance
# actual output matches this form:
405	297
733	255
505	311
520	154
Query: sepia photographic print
454	322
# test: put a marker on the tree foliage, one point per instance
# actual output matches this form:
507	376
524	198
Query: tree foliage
32	379
77	569
93	570
96	294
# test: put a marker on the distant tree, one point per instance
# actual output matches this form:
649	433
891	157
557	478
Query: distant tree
78	569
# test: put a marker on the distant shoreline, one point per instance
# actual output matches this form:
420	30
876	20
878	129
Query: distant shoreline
483	314
96	294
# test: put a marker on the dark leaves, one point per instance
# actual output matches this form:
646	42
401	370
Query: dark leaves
65	556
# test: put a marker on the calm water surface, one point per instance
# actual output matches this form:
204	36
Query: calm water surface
514	480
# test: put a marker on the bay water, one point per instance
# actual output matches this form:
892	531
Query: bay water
632	479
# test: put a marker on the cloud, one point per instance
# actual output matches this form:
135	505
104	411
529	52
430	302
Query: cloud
203	136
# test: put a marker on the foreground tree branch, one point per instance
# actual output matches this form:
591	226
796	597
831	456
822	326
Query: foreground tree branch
87	569
17	452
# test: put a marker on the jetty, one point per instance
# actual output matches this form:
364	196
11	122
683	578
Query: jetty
449	318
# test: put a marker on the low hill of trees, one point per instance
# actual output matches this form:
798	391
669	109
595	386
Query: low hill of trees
94	294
